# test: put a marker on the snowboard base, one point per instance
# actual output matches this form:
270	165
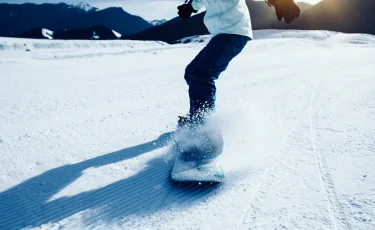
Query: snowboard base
192	171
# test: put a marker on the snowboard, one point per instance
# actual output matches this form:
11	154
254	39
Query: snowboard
198	149
196	171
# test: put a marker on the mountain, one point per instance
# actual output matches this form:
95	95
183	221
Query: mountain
91	33
262	16
85	7
115	18
157	22
173	30
18	18
38	33
339	15
304	6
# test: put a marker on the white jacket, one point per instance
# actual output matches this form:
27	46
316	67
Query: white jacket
226	16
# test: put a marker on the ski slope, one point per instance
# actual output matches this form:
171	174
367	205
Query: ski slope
86	127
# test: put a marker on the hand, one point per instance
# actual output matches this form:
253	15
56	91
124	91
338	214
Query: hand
286	9
185	10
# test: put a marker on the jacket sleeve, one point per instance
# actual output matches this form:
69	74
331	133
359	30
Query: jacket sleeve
196	4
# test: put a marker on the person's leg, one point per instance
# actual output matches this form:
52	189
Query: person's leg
202	72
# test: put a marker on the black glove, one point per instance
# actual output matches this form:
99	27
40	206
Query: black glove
185	10
286	9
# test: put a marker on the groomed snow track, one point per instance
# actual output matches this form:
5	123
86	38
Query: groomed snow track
86	131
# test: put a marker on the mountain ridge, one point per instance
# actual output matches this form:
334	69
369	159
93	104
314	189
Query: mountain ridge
19	18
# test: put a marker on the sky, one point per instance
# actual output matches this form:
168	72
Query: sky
147	9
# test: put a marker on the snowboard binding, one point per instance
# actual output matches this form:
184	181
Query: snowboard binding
197	141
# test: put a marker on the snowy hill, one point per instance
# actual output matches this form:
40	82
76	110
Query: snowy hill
86	130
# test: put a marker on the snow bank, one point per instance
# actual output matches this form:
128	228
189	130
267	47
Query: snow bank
324	36
313	35
195	39
21	44
117	34
47	33
316	35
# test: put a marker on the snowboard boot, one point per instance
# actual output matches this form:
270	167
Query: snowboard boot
197	141
192	121
183	121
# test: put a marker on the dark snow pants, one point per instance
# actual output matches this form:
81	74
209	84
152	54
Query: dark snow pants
206	67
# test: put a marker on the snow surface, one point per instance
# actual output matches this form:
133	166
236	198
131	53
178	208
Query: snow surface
117	34
195	39
86	126
158	22
47	33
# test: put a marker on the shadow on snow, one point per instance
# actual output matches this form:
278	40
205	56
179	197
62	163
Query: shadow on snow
149	191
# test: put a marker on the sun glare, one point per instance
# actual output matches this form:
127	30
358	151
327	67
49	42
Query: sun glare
310	1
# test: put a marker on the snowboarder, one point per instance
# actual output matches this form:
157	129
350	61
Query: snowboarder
229	23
